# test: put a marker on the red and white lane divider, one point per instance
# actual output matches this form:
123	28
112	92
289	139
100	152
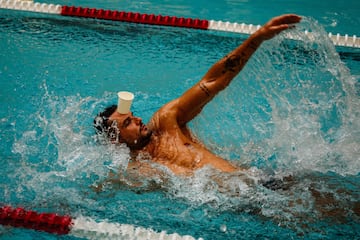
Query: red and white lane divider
26	5
81	227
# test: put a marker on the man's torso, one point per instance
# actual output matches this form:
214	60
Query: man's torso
174	146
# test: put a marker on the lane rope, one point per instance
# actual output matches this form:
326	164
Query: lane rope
82	227
113	15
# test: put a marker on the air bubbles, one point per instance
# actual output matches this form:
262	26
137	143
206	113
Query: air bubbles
223	228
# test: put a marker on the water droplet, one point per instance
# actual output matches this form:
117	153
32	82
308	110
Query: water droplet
223	228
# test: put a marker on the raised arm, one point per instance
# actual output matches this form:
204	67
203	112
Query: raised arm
221	73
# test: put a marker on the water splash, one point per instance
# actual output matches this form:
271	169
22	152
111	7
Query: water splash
297	113
292	111
61	157
294	107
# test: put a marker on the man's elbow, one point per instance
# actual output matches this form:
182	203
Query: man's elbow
213	86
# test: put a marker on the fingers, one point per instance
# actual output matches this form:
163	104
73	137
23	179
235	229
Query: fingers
277	25
279	28
285	19
274	30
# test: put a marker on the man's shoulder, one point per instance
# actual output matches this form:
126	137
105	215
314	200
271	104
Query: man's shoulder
165	116
168	110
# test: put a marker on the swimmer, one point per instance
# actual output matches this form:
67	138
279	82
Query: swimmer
166	138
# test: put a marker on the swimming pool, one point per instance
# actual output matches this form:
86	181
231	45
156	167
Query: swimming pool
293	110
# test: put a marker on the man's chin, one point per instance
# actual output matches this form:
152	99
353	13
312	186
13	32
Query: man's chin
142	142
147	136
146	133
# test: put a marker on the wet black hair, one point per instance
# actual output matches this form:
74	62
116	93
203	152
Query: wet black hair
101	121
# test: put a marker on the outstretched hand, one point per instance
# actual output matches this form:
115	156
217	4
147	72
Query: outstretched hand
277	25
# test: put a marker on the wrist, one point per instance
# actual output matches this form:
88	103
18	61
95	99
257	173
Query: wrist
258	36
255	41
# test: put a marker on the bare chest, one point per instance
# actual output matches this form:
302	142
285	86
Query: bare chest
177	150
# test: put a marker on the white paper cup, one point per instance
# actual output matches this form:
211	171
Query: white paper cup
124	102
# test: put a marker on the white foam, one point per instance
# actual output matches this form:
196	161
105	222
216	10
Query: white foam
294	107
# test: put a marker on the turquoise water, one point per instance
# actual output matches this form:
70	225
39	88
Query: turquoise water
294	110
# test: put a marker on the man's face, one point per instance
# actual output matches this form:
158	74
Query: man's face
132	130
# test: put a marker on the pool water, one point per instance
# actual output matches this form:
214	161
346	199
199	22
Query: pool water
293	111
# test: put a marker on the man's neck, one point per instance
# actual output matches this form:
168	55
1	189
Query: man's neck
149	148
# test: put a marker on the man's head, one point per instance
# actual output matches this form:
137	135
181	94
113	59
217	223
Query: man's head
122	128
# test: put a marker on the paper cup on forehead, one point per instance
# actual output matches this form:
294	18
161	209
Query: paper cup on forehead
124	102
